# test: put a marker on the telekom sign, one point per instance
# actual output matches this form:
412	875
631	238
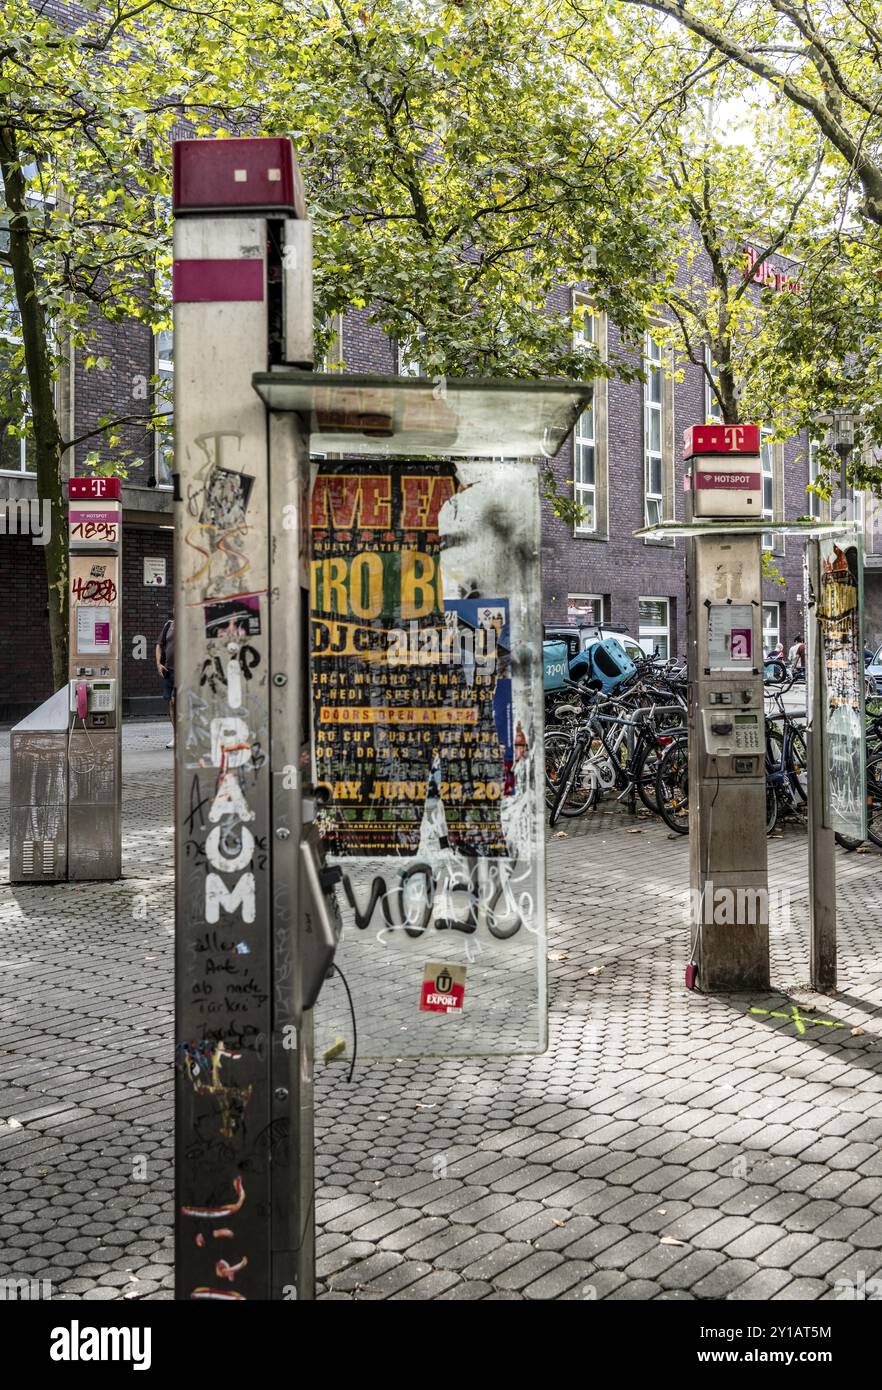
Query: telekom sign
721	439
722	470
90	488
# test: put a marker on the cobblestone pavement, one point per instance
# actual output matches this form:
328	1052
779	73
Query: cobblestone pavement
667	1145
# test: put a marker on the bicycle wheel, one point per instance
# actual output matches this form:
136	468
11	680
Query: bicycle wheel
874	800
557	749
797	765
790	774
874	808
672	787
577	790
646	769
771	808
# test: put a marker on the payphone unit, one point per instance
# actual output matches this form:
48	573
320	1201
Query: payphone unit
95	730
727	778
93	701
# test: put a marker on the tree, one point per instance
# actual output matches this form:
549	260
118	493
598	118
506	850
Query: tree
460	179
457	178
86	114
791	184
824	58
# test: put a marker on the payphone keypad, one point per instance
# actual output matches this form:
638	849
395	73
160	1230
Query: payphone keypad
747	738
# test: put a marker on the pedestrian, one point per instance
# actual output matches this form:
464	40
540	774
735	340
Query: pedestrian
796	657
777	652
165	665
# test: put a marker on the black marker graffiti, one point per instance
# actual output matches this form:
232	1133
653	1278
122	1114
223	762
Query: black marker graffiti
409	904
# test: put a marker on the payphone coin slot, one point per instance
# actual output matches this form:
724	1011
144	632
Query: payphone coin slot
744	766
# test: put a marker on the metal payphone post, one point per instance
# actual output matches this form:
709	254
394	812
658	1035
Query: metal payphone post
727	779
242	294
94	848
256	926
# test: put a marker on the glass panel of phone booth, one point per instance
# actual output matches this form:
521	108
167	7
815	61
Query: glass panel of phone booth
407	417
840	615
426	672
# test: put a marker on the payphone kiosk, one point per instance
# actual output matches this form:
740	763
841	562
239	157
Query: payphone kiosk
95	730
65	779
727	780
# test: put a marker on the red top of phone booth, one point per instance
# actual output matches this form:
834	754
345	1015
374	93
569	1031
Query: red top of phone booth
721	439
110	489
259	175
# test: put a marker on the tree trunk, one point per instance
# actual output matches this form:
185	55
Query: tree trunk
39	372
728	389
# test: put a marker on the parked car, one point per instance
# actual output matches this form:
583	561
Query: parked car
580	653
873	668
582	635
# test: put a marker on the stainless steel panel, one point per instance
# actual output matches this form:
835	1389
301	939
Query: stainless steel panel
93	842
38	793
38	774
298	292
38	843
93	768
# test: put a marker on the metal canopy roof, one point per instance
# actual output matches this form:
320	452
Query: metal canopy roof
412	416
745	528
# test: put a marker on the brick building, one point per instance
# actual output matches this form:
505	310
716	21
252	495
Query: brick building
623	462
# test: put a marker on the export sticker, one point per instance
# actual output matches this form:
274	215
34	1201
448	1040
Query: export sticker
443	989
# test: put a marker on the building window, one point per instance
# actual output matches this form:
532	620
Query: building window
585	471
17	450
409	363
712	409
586	609
589	437
163	404
654	633
333	361
857	509
771	626
814	501
653	432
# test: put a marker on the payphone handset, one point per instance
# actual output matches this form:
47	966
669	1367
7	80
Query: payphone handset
320	922
92	697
